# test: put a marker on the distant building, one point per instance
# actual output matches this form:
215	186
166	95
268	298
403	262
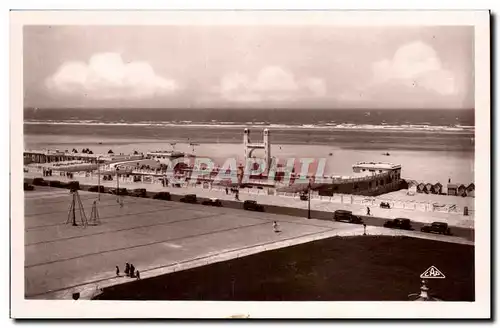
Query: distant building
370	179
452	189
377	168
437	188
462	190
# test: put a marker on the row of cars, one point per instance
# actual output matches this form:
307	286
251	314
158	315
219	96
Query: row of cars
249	205
398	223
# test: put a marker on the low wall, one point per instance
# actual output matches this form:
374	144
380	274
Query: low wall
375	202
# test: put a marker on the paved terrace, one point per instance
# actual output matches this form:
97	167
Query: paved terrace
453	219
156	236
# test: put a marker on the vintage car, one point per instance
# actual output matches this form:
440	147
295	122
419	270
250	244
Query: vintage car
190	198
140	192
28	186
385	205
163	195
40	182
96	188
399	223
346	216
212	202
73	185
252	205
121	191
437	227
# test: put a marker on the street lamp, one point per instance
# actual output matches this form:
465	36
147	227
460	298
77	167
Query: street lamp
309	200
117	186
98	180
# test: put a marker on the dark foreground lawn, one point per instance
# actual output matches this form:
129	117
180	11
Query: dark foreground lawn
365	268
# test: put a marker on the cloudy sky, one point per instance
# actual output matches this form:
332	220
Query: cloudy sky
248	66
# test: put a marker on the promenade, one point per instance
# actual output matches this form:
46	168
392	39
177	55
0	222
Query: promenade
156	236
456	219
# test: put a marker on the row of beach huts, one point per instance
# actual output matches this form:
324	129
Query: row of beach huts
451	189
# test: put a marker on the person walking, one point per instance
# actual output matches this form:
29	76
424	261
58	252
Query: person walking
368	211
127	269
117	271
275	227
138	275
227	191
132	271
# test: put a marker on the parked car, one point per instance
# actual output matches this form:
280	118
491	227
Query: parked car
212	202
437	227
96	188
399	223
58	184
139	192
190	198
28	186
40	182
252	205
163	195
346	216
73	185
122	191
385	205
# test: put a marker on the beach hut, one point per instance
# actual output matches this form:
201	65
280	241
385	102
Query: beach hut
411	185
437	188
471	193
421	187
452	189
471	187
428	188
462	190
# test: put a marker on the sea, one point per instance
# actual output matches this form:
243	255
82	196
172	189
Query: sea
433	144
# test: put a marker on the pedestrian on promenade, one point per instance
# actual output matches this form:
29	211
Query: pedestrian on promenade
127	269
227	191
138	275
368	211
275	227
132	271
117	271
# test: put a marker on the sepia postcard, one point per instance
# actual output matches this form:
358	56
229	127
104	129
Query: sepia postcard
250	164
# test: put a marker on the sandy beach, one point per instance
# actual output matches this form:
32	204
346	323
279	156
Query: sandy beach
425	166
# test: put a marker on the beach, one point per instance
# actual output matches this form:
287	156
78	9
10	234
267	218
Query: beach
423	165
431	145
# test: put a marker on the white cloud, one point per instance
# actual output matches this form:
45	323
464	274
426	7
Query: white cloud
416	64
106	76
270	83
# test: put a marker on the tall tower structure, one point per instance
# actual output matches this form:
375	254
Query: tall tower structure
250	146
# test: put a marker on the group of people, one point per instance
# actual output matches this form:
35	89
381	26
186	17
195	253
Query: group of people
130	271
235	191
47	172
